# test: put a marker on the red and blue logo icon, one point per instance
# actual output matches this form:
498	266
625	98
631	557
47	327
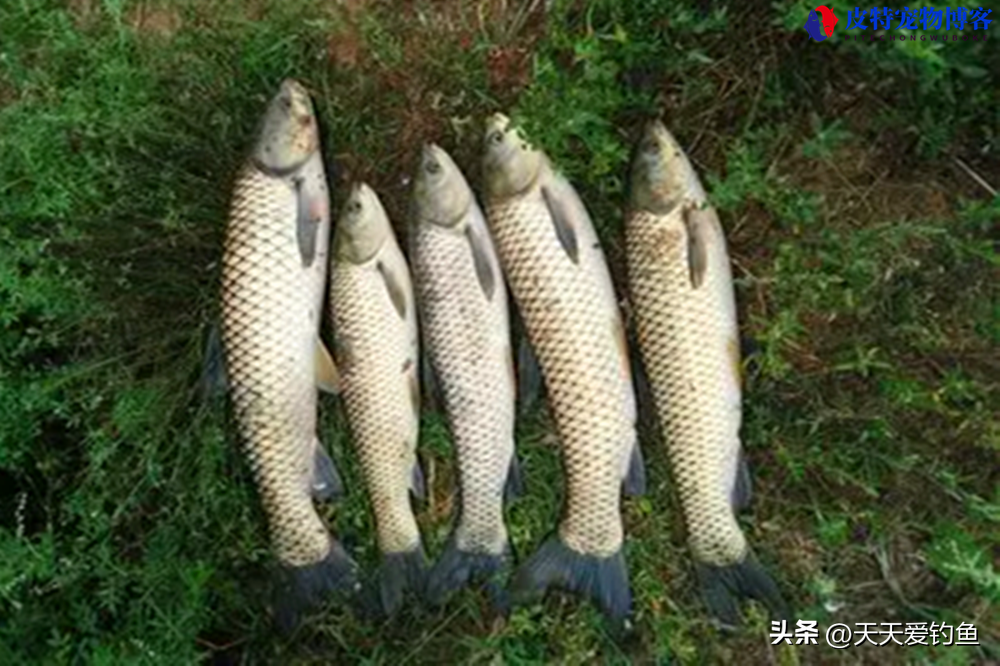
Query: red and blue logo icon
820	23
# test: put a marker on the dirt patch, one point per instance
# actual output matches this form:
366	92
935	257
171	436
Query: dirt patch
155	20
345	44
84	13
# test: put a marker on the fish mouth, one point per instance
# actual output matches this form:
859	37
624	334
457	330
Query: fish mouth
655	137
431	158
296	86
292	88
359	195
352	213
496	129
497	121
296	99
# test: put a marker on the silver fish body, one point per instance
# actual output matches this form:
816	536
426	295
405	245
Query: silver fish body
466	330
560	281
376	349
273	276
685	311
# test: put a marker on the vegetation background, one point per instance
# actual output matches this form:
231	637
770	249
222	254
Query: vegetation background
857	185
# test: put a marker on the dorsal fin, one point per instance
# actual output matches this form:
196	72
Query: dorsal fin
563	224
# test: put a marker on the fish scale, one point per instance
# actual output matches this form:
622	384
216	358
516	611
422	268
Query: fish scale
378	375
578	359
467	339
269	314
688	345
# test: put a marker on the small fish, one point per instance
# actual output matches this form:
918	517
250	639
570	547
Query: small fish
376	348
685	311
273	277
466	329
560	281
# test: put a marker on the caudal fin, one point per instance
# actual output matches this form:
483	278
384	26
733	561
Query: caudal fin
398	574
602	579
723	587
300	589
456	568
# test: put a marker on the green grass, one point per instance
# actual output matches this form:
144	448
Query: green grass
866	264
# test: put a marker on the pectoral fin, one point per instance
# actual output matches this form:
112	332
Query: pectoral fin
394	286
562	220
480	257
327	375
306	223
699	223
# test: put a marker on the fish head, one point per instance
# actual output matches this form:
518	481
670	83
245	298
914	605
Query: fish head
363	226
440	194
510	164
662	176
288	135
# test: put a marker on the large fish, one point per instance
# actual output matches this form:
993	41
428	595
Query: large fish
376	348
561	284
466	331
685	312
273	277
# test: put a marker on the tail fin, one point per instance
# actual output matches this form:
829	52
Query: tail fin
456	568
300	589
398	574
603	579
722	587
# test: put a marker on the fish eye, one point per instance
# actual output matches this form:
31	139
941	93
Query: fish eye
651	147
496	137
286	102
354	207
432	167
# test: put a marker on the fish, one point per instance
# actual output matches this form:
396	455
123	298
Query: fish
684	308
376	349
273	276
465	325
814	26
558	275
